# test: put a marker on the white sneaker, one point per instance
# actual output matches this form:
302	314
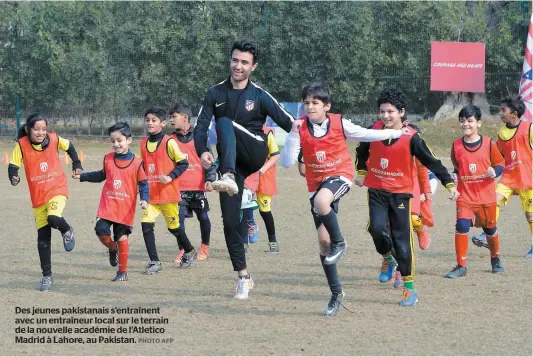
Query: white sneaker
243	288
226	184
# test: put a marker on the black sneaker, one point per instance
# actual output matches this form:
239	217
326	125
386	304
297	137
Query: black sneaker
121	276
335	303
497	266
335	253
68	240
113	257
187	259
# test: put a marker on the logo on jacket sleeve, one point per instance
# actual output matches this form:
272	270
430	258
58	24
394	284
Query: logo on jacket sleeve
250	104
320	155
44	166
384	163
117	184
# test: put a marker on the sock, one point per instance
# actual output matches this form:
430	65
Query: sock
123	252
408	283
268	218
332	276
331	224
149	240
181	238
494	245
416	221
205	229
44	239
108	242
58	223
461	248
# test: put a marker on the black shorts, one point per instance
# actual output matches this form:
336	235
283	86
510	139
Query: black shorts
193	200
338	187
119	229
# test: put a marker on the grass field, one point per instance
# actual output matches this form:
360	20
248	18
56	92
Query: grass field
481	314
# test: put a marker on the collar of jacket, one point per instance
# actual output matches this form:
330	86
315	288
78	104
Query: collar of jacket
229	85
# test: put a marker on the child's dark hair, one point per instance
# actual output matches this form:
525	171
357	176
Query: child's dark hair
183	109
158	112
121	126
317	90
470	111
395	97
30	123
246	46
515	104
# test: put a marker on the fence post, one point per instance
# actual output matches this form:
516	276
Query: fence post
17	114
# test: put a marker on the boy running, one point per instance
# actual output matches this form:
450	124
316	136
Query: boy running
123	173
321	137
163	163
194	182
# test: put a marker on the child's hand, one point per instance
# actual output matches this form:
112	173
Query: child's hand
454	194
76	177
406	131
359	181
261	171
207	160
491	173
208	186
165	179
77	172
296	125
427	196
422	198
144	204
455	178
15	180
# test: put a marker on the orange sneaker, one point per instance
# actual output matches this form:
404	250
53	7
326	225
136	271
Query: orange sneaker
423	238
178	257
203	253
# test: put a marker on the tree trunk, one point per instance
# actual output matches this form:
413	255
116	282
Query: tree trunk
457	100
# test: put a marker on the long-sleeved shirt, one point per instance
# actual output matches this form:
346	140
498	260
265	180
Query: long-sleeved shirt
210	174
292	148
100	176
174	153
63	144
248	107
418	148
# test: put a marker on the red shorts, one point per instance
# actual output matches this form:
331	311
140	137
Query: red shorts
483	215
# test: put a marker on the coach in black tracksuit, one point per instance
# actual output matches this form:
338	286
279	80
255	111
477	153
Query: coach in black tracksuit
240	108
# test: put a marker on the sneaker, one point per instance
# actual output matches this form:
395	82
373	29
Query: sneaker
46	283
497	266
187	259
335	253
203	253
253	232
398	282
335	303
480	240
68	240
388	267
423	238
177	261
529	254
273	248
113	257
409	297
121	276
243	288
456	272
226	184
153	267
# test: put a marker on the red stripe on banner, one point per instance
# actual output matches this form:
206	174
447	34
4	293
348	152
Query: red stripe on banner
526	87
